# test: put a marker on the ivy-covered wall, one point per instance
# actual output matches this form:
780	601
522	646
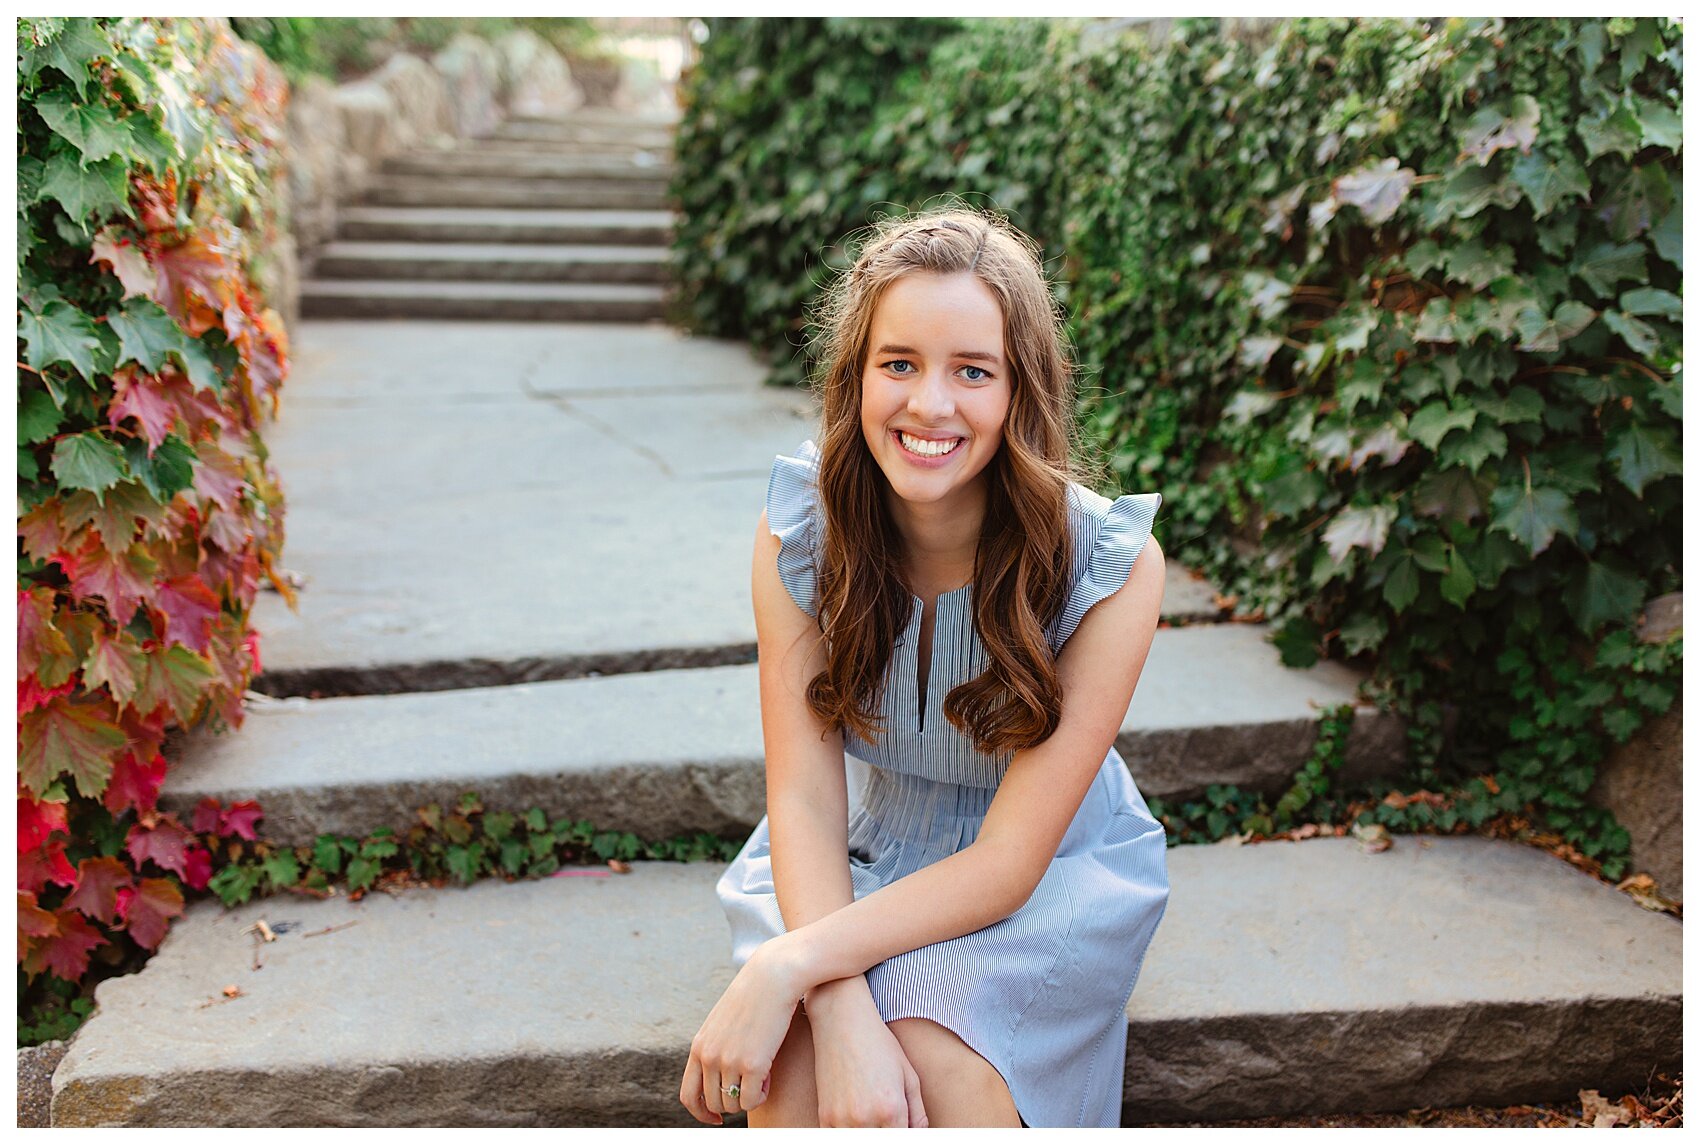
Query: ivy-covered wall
1389	310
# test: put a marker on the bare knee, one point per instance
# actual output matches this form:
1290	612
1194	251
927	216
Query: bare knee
791	1098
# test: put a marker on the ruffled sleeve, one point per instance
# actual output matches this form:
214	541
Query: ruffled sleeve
1108	538
792	517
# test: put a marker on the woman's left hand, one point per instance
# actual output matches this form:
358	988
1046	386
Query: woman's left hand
741	1036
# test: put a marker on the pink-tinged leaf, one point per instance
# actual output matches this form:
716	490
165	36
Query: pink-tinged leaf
252	643
65	954
125	259
163	845
43	533
136	780
123	580
150	404
193	269
65	736
31	693
117	665
190	608
98	882
197	868
177	677
148	910
45	865
36	821
33	922
206	817
43	649
218	475
241	817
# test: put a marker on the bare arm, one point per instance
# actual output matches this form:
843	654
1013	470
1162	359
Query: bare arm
808	805
1038	798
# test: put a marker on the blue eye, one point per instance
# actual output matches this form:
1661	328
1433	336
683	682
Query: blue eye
892	365
983	374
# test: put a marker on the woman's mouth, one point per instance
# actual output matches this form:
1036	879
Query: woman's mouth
926	449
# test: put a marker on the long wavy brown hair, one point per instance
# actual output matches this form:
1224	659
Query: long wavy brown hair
1021	566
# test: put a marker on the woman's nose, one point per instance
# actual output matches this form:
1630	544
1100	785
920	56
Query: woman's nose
932	400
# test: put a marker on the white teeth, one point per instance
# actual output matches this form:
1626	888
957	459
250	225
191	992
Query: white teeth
928	448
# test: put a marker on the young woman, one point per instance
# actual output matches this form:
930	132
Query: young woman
936	596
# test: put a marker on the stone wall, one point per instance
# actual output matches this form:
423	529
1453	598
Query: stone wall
339	135
1641	780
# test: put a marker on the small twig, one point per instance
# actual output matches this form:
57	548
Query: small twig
329	929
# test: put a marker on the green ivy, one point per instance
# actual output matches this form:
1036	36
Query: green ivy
1390	310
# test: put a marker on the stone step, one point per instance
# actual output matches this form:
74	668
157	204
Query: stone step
450	224
656	151
548	131
1214	705
644	166
489	301
1284	979
543	194
468	262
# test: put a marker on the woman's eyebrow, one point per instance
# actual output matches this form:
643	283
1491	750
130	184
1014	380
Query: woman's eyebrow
971	355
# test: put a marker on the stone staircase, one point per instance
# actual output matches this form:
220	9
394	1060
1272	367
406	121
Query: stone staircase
525	553
548	220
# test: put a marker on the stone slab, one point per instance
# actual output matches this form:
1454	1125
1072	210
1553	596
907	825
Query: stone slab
670	752
420	459
368	298
500	262
468	191
1285	978
518	226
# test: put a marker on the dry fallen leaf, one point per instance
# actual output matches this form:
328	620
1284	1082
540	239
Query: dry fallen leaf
1372	837
233	991
620	866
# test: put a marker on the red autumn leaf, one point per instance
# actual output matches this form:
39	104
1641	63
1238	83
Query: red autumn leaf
141	398
43	533
194	281
66	953
39	639
207	418
206	817
45	865
155	202
218	475
98	882
125	258
36	821
117	665
33	922
197	868
241	817
136	779
189	608
149	908
120	579
163	845
177	678
31	694
64	735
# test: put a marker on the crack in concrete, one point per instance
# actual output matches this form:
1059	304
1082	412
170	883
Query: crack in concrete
567	407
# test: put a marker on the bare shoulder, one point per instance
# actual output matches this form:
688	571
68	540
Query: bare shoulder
1134	607
777	614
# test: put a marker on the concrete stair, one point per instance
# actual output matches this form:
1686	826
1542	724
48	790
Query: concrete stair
1274	986
546	220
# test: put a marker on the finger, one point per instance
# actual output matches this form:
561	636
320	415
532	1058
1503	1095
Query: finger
711	1090
690	1092
912	1091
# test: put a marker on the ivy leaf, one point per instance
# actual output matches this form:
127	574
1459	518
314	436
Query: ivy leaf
1646	300
1457	583
1616	133
1533	516
239	819
281	868
1548	182
176	676
1495	129
1481	442
149	909
38	417
1604	595
1640	196
115	664
1424	257
146	334
1468	190
89	461
1435	420
97	190
66	953
98	882
1642	455
1642	338
1400	588
125	259
1543	335
1479	265
1256	351
61	333
64	736
1603	265
1450	494
68	51
1521	404
1360	527
1661	126
1377	189
164	844
90	128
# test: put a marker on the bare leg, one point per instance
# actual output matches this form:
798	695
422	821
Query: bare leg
958	1086
791	1098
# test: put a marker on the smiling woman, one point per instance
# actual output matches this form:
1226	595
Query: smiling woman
938	598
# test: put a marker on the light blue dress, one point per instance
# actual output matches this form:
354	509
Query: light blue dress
1042	994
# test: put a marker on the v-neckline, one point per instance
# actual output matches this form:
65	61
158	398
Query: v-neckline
923	688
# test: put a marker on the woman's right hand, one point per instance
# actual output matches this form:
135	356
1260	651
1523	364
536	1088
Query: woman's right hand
862	1076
